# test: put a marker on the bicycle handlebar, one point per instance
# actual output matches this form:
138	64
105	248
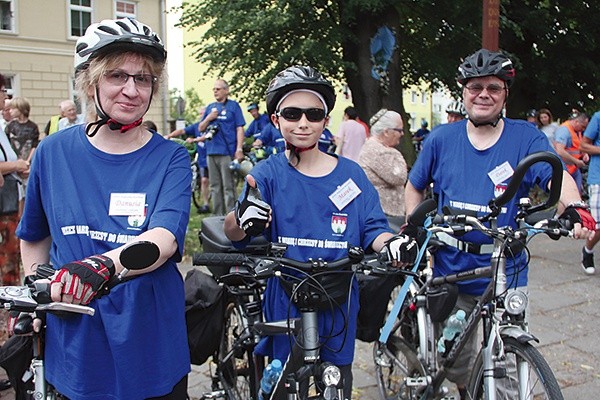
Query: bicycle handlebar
268	266
557	173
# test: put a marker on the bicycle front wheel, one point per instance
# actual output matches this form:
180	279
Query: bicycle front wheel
235	360
196	188
524	375
395	363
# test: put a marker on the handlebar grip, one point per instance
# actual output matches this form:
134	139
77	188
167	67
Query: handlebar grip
219	259
44	271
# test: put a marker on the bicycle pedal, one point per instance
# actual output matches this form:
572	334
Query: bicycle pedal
419	381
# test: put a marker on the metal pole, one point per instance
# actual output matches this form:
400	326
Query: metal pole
490	25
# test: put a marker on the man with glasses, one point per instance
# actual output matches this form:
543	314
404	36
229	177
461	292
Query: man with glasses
471	162
223	123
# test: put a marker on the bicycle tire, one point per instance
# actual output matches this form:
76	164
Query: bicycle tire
394	362
235	373
196	187
542	383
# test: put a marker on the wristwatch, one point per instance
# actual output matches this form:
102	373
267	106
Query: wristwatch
579	204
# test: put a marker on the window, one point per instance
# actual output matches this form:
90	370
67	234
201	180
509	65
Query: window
413	97
423	98
124	9
81	16
9	85
7	19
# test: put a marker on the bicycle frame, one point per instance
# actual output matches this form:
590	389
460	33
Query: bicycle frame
495	328
304	361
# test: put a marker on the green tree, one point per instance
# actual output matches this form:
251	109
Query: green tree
553	46
192	105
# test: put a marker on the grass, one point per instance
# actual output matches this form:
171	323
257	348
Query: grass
192	244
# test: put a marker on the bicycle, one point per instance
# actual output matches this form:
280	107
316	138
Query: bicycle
35	298
406	359
195	167
238	370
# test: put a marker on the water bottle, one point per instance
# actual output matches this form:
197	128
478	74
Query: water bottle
234	165
455	324
269	379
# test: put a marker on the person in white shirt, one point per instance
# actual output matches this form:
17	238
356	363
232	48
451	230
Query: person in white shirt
69	110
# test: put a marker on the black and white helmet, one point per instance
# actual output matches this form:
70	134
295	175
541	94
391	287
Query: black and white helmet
486	63
456	107
126	34
299	77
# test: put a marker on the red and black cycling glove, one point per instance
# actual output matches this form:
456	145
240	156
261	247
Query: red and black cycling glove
82	279
579	212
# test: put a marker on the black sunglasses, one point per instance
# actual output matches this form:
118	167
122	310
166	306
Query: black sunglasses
294	114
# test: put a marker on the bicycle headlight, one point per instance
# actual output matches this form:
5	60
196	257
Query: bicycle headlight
331	375
515	302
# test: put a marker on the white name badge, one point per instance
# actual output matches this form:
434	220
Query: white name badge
501	173
127	204
345	194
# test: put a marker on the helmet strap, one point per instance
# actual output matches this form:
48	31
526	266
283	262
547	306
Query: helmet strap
105	119
490	123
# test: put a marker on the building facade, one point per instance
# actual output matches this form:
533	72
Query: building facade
37	42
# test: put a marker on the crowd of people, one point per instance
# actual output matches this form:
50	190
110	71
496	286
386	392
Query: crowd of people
80	219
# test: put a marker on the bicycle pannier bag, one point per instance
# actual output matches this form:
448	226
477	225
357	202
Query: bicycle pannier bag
375	292
204	309
15	357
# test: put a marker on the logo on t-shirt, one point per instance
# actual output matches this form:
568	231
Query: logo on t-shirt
499	189
338	223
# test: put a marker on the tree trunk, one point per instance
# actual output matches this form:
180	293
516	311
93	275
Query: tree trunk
367	94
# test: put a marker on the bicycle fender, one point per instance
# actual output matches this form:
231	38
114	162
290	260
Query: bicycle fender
518	334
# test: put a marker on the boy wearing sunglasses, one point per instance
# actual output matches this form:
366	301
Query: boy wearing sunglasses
319	205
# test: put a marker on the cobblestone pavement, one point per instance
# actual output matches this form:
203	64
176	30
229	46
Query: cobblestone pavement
564	316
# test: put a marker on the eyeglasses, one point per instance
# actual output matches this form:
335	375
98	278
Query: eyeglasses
400	130
217	89
294	114
120	78
3	90
493	90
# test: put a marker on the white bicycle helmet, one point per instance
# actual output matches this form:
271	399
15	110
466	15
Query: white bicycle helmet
456	107
126	34
116	35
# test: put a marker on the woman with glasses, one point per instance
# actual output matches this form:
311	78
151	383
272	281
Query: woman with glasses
93	188
317	203
383	163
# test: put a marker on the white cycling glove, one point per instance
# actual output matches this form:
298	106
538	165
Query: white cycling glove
252	213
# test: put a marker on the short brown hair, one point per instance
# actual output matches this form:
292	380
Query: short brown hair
21	104
87	80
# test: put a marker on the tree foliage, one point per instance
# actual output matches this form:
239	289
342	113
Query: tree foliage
192	105
552	43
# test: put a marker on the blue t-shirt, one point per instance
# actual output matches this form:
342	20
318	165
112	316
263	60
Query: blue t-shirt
256	126
325	140
459	173
272	139
224	142
135	346
192	131
563	136
593	132
313	227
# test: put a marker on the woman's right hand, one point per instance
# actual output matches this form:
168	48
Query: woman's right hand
21	165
